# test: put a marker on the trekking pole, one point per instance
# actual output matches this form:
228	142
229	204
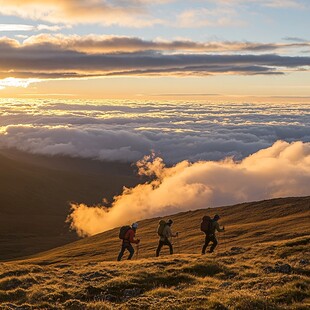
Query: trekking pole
178	244
224	240
137	251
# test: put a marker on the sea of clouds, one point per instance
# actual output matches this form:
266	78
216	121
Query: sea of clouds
128	130
203	154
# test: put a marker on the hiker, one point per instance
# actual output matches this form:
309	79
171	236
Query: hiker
209	226
165	233
127	234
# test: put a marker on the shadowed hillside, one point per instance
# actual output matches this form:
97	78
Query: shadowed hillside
246	225
35	192
263	262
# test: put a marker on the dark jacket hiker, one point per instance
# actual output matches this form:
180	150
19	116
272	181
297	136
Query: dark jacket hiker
209	226
165	233
127	234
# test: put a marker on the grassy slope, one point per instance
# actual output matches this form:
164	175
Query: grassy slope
266	233
246	224
35	192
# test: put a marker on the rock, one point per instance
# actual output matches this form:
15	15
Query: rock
129	293
225	284
93	291
279	267
23	307
283	268
268	269
304	262
237	250
11	284
111	298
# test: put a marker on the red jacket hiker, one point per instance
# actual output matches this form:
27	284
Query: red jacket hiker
130	237
127	241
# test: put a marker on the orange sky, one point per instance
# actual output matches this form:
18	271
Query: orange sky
209	49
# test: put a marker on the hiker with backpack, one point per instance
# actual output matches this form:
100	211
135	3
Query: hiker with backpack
165	233
127	234
209	226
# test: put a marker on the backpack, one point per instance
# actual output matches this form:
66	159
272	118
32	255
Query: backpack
122	232
206	225
160	228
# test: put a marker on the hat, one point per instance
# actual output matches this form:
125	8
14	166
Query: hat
134	225
216	217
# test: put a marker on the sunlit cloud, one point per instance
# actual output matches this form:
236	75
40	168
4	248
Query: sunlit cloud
278	171
15	27
130	13
28	28
15	82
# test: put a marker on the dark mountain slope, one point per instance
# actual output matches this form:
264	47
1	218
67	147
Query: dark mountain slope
35	192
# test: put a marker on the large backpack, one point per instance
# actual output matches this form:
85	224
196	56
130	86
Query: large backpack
206	224
161	227
123	231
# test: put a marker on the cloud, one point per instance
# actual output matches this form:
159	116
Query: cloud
47	56
95	44
278	171
129	13
22	27
284	4
126	131
295	39
298	4
15	27
226	13
219	16
13	82
139	13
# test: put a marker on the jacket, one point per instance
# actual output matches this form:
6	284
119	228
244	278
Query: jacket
130	236
215	227
167	233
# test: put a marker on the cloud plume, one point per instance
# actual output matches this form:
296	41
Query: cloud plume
278	171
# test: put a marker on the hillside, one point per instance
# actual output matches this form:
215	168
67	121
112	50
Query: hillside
246	225
35	192
263	262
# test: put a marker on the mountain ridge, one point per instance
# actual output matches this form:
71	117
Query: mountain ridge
246	225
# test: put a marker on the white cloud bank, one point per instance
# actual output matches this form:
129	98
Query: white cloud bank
278	171
128	130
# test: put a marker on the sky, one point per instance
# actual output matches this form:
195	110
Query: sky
219	50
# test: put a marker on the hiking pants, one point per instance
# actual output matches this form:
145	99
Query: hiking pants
126	246
209	238
161	244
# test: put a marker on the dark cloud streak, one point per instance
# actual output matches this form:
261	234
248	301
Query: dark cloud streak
53	62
